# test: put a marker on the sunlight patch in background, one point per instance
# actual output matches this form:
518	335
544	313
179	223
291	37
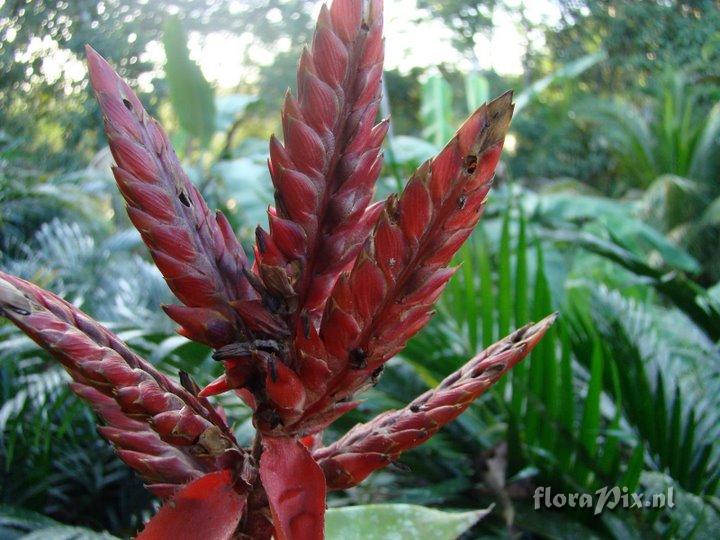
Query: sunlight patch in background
413	38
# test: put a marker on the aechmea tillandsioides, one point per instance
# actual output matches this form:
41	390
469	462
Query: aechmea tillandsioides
337	286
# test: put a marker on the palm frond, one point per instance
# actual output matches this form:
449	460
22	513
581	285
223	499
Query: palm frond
660	400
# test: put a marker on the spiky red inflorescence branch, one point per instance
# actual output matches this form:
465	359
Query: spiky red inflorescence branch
161	430
371	446
197	252
325	171
324	175
402	269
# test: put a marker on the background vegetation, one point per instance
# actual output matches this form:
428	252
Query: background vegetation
606	208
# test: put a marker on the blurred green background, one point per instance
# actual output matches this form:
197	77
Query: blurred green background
606	208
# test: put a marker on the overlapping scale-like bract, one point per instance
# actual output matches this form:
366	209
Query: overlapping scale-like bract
196	250
325	169
402	269
161	430
371	446
163	467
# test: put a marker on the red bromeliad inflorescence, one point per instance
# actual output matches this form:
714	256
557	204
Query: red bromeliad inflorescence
337	287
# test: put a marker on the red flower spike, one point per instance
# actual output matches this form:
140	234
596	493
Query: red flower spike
402	269
161	430
337	287
196	251
208	508
295	487
325	170
368	447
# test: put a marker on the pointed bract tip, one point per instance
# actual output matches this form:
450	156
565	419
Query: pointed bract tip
103	78
218	386
513	348
500	109
505	97
94	58
535	331
547	321
487	126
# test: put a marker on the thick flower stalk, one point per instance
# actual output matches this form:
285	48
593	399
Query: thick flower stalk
337	286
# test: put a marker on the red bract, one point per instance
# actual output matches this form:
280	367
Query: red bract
210	504
338	286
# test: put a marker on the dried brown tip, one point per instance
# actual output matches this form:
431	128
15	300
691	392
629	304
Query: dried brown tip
13	300
487	126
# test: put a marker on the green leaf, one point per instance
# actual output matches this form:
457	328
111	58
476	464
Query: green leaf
639	237
688	448
246	182
700	472
486	292
711	215
686	294
412	151
673	443
191	95
617	218
590	424
542	366
611	446
477	91
505	309
552	525
470	293
566	412
631	478
691	516
504	299
16	522
521	273
661	419
518	375
436	110
568	71
707	144
66	532
397	522
230	107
